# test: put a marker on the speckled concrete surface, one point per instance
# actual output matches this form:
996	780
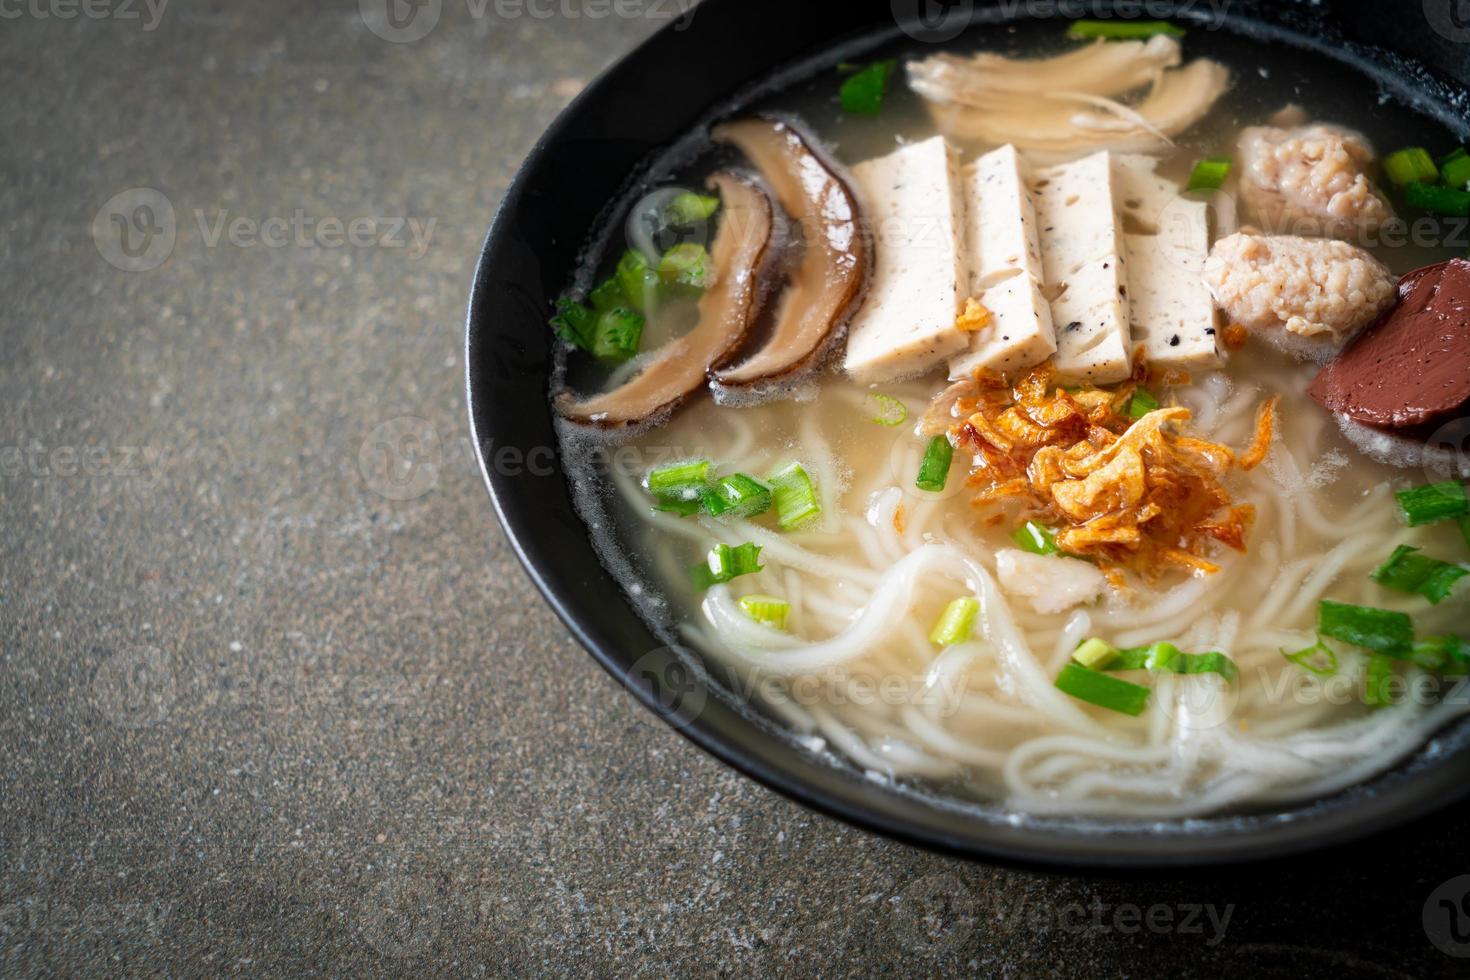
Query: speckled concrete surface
264	710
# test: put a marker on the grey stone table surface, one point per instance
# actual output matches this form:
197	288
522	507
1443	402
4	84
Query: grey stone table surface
260	714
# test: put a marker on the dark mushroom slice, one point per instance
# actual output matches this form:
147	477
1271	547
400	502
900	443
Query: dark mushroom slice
727	310
827	285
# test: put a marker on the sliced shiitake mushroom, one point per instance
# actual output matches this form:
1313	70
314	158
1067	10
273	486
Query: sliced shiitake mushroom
727	310
827	285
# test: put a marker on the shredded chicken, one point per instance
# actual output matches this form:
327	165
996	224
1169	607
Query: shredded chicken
1137	494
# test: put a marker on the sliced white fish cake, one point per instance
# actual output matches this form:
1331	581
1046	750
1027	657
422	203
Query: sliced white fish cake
1005	269
1018	336
1084	265
1171	311
906	325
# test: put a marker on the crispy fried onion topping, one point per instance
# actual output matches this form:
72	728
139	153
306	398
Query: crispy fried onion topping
1140	495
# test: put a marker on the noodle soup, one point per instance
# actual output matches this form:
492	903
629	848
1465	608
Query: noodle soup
1140	634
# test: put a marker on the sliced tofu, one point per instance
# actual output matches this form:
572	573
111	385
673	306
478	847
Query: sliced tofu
1005	269
1001	220
1171	311
1142	196
1018	336
906	325
1084	265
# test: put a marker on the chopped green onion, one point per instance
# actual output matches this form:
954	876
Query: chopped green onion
955	624
1209	174
1408	571
1435	502
1454	168
724	563
1319	659
680	480
1102	690
1410	165
766	610
608	295
618	332
891	410
1115	30
686	265
1141	403
1379	630
1376	681
1447	654
574	323
934	471
1166	656
1095	653
1449	201
736	495
795	496
689	208
862	93
1036	538
639	282
677	505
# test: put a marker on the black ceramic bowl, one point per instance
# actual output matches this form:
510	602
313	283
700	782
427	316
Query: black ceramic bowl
710	63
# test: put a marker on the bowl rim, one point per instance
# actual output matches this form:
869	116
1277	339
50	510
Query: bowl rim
818	785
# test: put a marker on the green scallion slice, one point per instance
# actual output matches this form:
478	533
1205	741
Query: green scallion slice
685	265
955	624
1410	165
1141	403
736	495
1408	571
862	93
676	505
724	563
1118	30
766	610
1379	630
689	208
639	282
1377	681
934	471
1454	168
795	496
1209	174
891	411
1036	538
1319	658
1446	654
681	480
1448	201
1095	654
608	295
1166	656
1435	502
619	331
1102	690
574	323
